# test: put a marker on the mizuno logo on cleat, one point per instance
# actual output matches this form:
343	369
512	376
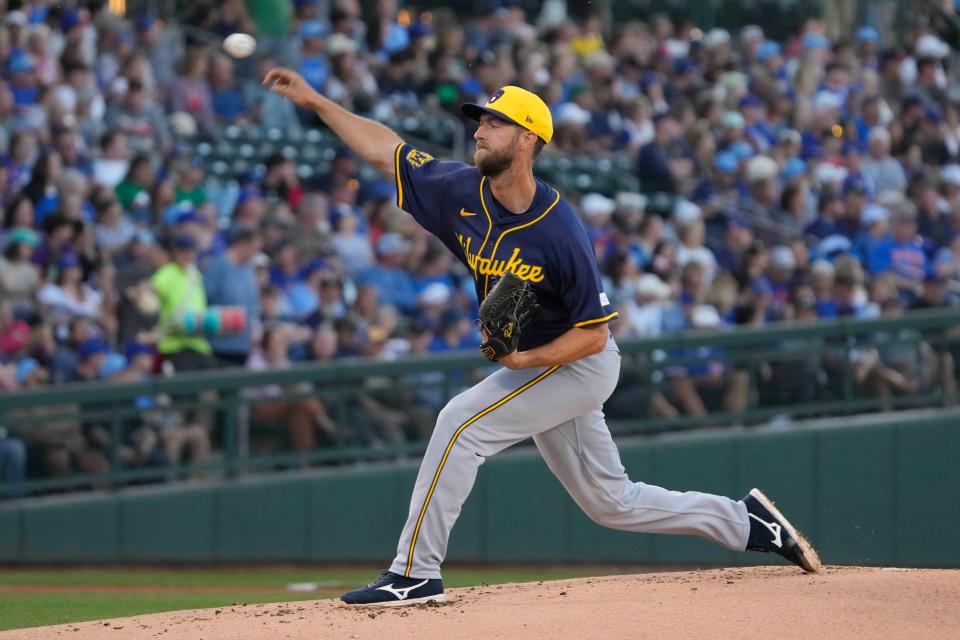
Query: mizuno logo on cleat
401	593
773	527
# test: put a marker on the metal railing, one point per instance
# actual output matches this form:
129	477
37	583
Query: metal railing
782	372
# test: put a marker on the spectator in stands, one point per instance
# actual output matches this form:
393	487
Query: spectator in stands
114	162
230	281
883	170
68	296
305	419
13	461
227	99
114	231
133	192
659	167
19	276
140	119
393	283
190	91
179	285
160	423
904	256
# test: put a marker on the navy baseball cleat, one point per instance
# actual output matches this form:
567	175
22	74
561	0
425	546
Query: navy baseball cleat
393	590
771	532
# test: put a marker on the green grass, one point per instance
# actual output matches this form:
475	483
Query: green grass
37	609
53	605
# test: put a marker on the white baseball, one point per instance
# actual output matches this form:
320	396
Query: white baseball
240	45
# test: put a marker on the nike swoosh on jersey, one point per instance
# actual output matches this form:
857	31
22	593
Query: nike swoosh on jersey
464	213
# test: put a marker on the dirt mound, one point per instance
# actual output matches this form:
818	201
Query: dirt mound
761	603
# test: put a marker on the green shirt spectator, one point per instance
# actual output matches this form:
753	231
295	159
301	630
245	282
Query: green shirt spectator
179	285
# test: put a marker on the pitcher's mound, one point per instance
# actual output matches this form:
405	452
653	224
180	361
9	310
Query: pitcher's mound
760	603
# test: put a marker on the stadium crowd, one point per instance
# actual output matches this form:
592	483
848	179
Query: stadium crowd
804	179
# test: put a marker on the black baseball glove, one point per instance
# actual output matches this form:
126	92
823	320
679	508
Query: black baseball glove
507	310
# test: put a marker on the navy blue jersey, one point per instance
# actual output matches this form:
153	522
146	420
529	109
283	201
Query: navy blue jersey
546	245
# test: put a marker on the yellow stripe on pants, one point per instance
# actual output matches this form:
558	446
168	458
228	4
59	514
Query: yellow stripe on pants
453	440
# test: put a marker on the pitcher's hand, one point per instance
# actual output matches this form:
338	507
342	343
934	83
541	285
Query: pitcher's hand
292	86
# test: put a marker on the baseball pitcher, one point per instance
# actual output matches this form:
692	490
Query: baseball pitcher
544	316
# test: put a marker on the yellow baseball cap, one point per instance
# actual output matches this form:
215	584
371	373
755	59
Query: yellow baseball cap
516	105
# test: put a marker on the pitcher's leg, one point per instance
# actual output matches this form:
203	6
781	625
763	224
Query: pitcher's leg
483	420
585	459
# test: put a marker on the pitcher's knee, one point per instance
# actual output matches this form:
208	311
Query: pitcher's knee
452	417
607	513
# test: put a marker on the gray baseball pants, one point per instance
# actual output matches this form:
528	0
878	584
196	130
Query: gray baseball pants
560	407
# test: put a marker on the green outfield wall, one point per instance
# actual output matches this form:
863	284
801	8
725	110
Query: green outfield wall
867	491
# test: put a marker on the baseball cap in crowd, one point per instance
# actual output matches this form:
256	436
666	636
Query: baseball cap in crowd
435	293
596	204
145	237
930	46
815	41
830	246
184	242
782	257
112	364
750	33
16	18
70	19
92	347
741	150
378	190
516	105
749	100
950	175
317	264
874	213
135	349
145	21
866	33
685	212
725	162
189	216
649	285
716	37
339	43
933	114
761	168
419	30
705	316
23	235
312	29
20	63
24	368
793	168
391	243
768	50
631	200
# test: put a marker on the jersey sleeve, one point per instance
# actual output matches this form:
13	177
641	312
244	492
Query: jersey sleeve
582	291
422	187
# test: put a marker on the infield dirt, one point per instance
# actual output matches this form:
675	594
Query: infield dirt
741	603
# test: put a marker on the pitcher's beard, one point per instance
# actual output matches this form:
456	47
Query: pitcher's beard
495	162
